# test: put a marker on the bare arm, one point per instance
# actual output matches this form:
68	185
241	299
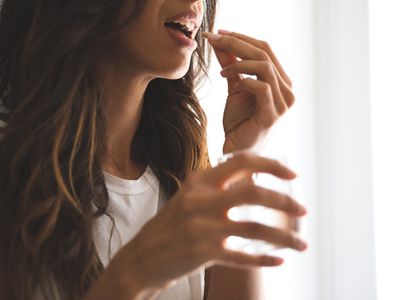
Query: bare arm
114	288
232	283
191	229
114	284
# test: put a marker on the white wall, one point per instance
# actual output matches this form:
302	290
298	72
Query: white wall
328	138
288	26
347	266
385	63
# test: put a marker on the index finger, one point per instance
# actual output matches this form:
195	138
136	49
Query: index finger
242	165
262	45
237	47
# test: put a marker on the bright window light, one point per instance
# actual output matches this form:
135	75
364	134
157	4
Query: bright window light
288	27
385	66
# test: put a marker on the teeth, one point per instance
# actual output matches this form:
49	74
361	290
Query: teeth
188	24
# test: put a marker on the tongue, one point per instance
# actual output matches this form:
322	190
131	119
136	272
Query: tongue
175	27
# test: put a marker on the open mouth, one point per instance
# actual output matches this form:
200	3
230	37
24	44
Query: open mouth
181	28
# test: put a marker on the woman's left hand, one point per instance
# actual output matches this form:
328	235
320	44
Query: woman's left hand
253	106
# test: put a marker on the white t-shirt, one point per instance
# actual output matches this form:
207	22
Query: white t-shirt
132	204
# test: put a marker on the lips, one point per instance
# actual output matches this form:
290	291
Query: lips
184	27
188	21
180	38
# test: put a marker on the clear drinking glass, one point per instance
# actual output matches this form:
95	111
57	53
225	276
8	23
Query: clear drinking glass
262	214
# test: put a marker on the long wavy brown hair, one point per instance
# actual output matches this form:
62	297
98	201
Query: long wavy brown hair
52	188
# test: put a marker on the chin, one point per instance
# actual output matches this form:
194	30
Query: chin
176	73
177	76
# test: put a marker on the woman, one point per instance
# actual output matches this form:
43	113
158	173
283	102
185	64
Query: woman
106	186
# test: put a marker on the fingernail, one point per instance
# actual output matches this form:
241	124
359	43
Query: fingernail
222	31
301	245
278	260
301	211
211	36
225	72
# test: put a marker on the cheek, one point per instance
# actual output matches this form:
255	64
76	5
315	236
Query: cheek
150	50
134	40
146	47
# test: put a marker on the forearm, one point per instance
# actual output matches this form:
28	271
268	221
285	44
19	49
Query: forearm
115	283
230	283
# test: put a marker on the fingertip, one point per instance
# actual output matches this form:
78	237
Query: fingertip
292	174
287	174
298	212
204	34
277	261
223	31
211	37
303	247
303	211
271	261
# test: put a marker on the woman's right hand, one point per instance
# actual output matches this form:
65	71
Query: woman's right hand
189	232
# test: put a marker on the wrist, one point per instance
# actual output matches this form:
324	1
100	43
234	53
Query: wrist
126	278
118	281
256	146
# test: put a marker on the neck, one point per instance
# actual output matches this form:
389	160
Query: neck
123	102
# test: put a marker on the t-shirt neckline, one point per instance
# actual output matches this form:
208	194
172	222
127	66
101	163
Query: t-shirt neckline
130	186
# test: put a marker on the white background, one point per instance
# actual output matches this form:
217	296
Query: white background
340	137
385	77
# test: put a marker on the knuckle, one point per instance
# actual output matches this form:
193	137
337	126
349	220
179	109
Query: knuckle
267	88
290	98
263	55
269	67
247	81
241	158
265	45
282	109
